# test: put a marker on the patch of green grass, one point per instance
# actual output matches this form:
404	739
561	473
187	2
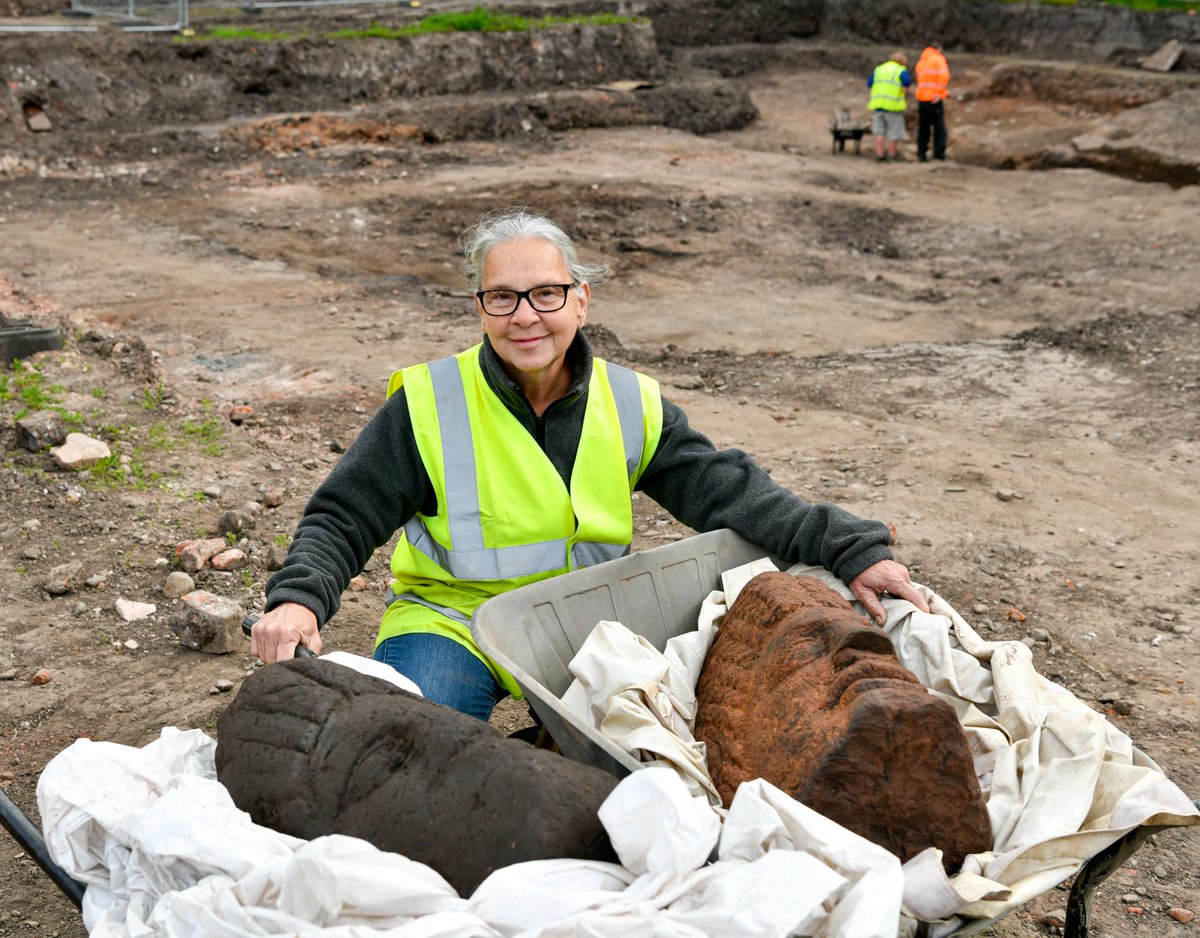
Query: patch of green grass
28	385
478	20
230	538
207	432
247	578
152	398
1145	6
282	540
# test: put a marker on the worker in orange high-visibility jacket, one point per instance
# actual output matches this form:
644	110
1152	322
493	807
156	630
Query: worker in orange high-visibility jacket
933	80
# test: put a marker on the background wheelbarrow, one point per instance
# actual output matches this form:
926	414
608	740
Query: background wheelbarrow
534	632
843	126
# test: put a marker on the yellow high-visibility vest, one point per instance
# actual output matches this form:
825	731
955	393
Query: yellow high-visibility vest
887	91
505	517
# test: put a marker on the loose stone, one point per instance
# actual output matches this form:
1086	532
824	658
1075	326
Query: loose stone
178	584
64	578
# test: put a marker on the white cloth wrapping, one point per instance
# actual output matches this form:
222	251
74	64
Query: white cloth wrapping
166	853
1061	782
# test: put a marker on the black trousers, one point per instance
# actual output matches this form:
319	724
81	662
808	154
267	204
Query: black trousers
931	116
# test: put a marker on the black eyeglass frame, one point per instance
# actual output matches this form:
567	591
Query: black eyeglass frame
525	295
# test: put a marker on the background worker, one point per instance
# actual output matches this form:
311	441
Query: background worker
933	80
889	87
514	461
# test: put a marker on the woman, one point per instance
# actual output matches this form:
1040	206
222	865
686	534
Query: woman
513	462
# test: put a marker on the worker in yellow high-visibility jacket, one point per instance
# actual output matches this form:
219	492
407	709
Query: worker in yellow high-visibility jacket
889	85
515	460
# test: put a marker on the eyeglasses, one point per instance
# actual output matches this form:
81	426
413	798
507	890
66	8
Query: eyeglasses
549	298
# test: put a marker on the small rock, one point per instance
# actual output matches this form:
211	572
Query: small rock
224	685
1160	872
212	491
275	467
1028	641
208	623
31	525
79	609
988	567
1039	635
251	509
40	429
360	584
240	413
131	644
276	555
192	555
1108	696
1055	918
41	677
131	611
80	451
1180	629
688	382
7	776
1124	706
97	579
1005	495
979	608
1164	58
1131	898
178	584
64	578
232	559
273	498
1181	915
8	675
31	553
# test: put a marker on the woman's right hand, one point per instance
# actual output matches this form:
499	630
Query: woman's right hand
275	636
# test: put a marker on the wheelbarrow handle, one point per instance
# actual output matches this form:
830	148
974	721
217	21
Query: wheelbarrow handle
302	650
30	839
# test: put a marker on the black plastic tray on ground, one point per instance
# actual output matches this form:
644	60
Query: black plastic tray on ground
19	338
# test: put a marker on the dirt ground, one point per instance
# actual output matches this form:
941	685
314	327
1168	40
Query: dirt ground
1002	364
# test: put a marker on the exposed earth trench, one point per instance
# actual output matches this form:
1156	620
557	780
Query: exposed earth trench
996	354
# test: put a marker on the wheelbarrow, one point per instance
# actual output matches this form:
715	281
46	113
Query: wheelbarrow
843	127
534	632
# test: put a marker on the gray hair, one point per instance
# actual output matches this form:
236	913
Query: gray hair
519	224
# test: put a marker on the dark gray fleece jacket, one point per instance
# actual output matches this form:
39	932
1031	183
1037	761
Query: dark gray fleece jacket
380	483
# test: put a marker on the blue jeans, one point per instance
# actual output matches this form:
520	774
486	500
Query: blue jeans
444	670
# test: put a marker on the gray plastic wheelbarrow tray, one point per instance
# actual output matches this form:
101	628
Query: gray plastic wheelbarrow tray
534	632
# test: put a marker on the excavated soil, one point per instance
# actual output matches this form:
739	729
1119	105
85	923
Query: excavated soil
1000	362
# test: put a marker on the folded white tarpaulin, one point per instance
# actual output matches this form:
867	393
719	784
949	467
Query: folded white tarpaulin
1061	782
165	852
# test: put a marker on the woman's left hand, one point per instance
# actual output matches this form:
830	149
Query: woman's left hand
889	577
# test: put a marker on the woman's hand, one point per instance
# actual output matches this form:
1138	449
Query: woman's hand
275	636
890	577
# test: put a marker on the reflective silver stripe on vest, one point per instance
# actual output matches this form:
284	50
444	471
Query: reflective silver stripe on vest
454	614
627	393
585	554
470	560
458	455
501	563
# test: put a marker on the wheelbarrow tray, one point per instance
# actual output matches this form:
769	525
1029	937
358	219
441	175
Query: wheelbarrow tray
533	632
